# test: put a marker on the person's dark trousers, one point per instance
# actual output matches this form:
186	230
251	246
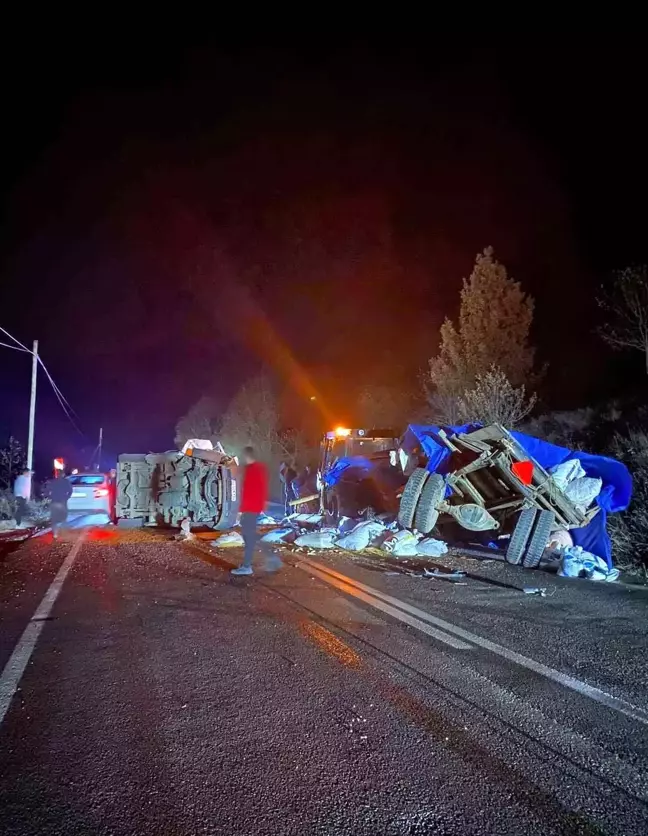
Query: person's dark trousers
21	508
289	495
250	536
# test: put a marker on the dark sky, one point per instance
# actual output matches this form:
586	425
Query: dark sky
162	206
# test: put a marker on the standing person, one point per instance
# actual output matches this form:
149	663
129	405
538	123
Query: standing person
254	497
287	474
59	491
22	492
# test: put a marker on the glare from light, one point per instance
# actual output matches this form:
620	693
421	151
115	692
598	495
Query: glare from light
342	432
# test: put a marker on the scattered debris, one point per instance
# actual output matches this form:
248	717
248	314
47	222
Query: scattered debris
185	530
431	547
266	519
535	590
280	535
577	563
446	576
401	544
229	540
364	534
323	539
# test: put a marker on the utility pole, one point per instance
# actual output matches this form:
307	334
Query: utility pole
32	407
99	448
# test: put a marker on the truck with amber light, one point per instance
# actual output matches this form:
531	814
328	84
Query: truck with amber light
358	472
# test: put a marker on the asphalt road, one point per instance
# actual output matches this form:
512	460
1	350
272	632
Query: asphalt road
161	696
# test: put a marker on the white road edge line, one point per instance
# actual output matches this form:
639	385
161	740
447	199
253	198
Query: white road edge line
19	659
399	614
615	703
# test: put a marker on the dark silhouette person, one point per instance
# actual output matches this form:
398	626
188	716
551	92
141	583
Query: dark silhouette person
288	474
59	492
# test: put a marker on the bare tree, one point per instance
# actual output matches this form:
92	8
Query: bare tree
385	406
494	400
200	422
626	304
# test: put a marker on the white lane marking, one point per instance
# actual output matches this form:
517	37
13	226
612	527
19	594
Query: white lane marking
399	614
15	667
615	703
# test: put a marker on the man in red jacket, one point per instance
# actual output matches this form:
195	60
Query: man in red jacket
254	497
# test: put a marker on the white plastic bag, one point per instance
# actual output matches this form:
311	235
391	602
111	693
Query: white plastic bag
323	539
266	519
346	524
431	547
279	535
364	534
577	563
564	473
232	538
583	491
401	544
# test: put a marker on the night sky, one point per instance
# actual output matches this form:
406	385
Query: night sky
175	217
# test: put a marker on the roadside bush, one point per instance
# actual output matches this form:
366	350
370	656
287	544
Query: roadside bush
629	530
494	400
567	428
38	511
7	505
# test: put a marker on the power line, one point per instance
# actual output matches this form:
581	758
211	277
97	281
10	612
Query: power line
56	389
65	404
15	347
11	337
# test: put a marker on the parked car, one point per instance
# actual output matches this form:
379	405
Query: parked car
92	492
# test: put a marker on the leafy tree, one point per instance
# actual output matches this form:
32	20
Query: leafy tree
626	303
493	331
12	462
494	400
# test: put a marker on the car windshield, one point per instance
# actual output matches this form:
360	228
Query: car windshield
87	479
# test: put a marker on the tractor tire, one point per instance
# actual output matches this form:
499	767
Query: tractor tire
539	539
520	537
426	514
410	497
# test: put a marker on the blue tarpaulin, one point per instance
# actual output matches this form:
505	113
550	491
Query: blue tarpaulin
357	466
615	493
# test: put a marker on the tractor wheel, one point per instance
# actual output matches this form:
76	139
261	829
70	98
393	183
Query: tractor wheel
520	536
410	497
426	515
539	539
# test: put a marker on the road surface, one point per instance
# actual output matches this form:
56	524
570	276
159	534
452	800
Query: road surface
146	691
